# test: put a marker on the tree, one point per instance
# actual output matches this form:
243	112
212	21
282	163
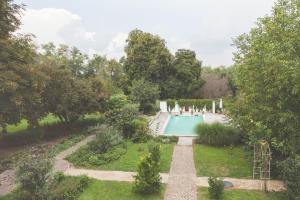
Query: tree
145	94
267	65
147	57
187	73
69	97
148	180
21	82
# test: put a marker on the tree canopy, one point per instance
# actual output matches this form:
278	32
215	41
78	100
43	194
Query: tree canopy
268	78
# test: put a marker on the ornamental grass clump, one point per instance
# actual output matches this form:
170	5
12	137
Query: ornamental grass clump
148	180
217	134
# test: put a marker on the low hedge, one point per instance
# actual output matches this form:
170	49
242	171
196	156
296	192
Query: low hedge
217	134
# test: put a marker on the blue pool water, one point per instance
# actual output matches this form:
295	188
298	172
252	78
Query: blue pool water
183	125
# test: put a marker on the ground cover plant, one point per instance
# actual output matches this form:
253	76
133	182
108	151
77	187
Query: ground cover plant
222	161
203	194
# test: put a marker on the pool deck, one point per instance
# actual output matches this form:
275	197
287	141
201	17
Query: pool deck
160	121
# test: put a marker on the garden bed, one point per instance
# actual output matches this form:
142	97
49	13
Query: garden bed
129	159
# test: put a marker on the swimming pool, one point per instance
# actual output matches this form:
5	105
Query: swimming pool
183	125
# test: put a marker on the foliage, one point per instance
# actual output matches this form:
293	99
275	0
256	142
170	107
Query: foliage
141	130
107	147
148	180
198	104
69	188
187	71
130	155
268	78
117	101
148	58
122	118
106	138
216	188
166	139
217	134
171	104
290	169
34	175
145	94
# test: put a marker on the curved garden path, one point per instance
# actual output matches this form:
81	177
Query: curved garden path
181	182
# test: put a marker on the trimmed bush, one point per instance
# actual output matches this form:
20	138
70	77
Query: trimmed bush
216	188
217	134
148	180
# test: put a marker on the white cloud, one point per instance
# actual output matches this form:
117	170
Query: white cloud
55	25
115	48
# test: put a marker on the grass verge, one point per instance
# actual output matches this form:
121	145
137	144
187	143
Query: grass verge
221	161
110	190
242	195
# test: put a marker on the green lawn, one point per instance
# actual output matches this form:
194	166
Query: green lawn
221	162
109	190
242	195
49	119
130	160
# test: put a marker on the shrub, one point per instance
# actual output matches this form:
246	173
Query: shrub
69	188
122	118
216	188
166	139
106	138
148	180
33	174
145	94
291	177
141	130
217	134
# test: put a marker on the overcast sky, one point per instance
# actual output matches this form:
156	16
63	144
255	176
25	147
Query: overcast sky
98	26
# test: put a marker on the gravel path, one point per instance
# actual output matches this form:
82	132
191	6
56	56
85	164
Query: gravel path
181	184
62	165
7	182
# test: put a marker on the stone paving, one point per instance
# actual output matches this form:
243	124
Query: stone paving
181	184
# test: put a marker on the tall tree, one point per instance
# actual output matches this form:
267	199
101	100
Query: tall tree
21	83
187	73
147	57
268	77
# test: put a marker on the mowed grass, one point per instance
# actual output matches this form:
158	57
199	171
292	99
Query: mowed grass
221	162
110	190
49	119
242	195
23	125
129	161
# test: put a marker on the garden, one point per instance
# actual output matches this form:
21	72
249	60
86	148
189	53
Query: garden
53	97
